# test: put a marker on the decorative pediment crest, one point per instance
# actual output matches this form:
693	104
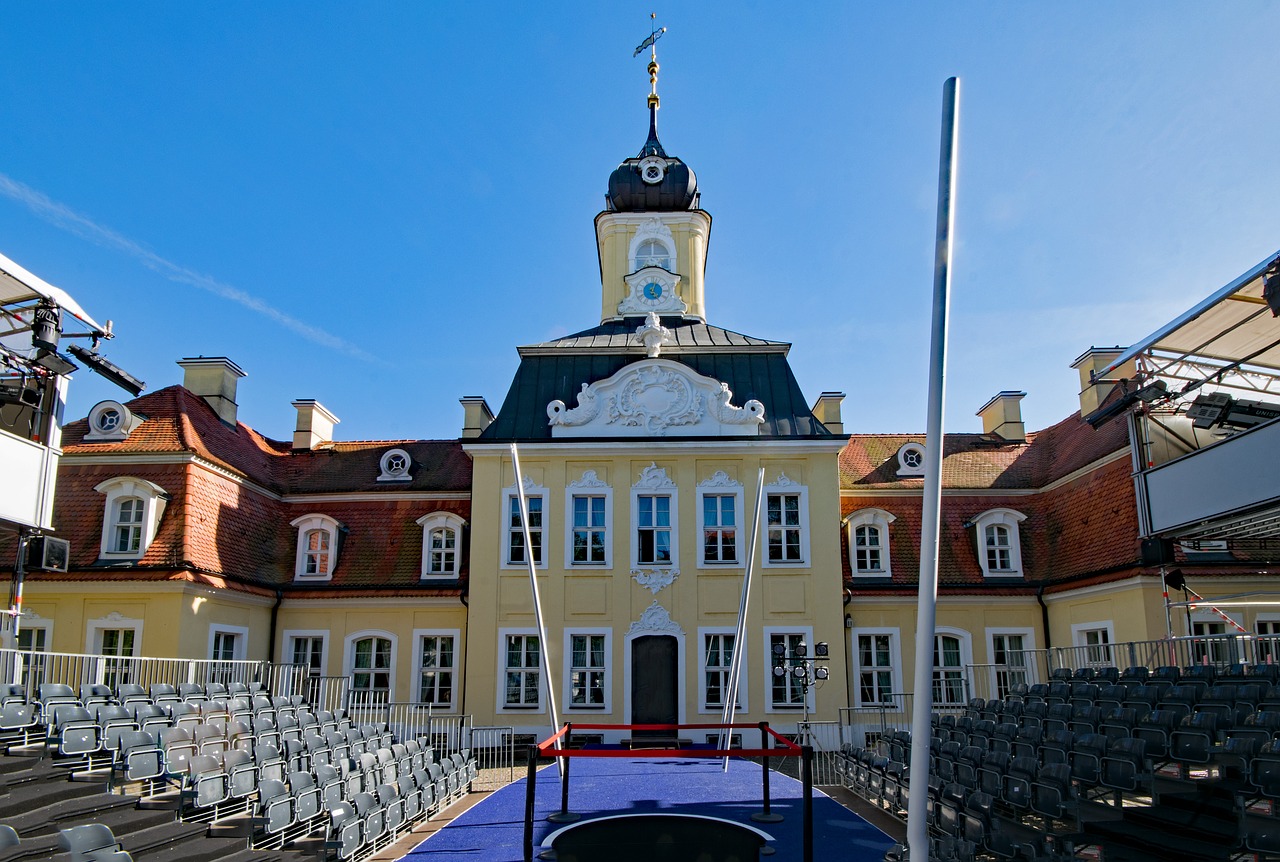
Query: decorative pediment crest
654	478
653	335
655	620
589	480
720	479
655	398
654	580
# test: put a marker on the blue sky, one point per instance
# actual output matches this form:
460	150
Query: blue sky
372	204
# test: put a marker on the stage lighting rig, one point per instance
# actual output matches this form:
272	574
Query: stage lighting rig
100	365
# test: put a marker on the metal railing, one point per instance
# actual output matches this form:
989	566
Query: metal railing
825	738
31	669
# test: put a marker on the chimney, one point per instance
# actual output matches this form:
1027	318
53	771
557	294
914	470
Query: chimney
827	411
214	379
315	424
476	415
1002	416
1094	389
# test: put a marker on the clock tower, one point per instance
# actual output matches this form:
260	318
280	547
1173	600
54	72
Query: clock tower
652	235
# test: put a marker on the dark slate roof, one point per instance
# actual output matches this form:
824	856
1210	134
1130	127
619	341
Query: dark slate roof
545	377
687	334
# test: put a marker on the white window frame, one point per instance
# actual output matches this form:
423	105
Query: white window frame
93	639
289	635
663	237
1011	520
531	490
1265	645
720	485
786	485
744	704
153	497
456	670
500	703
966	656
445	521
878	520
349	658
895	662
394	466
1029	643
1079	631
806	634
241	633
567	672
654	482
305	525
588	485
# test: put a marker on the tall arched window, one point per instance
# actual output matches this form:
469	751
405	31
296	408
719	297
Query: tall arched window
318	546
371	670
999	548
948	670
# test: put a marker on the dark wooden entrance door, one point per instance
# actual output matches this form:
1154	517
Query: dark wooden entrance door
653	683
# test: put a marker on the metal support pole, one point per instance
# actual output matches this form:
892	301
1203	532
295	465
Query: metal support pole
564	815
765	816
530	779
931	498
806	773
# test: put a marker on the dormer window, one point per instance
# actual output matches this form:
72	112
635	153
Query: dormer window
999	545
911	459
111	421
131	516
317	555
869	542
441	544
395	464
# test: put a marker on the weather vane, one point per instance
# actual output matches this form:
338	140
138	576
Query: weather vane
655	33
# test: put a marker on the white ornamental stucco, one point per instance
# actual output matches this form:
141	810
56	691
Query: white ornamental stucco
655	398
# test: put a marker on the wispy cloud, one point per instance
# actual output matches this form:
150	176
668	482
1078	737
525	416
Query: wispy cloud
71	221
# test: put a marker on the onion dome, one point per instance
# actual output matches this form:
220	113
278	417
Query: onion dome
653	181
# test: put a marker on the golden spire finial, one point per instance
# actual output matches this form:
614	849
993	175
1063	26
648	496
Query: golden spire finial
655	33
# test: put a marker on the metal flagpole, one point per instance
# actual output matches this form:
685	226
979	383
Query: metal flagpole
931	503
740	635
537	599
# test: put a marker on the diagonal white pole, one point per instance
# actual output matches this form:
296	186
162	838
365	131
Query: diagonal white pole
931	503
537	599
740	636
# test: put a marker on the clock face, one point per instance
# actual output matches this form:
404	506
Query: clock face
652	290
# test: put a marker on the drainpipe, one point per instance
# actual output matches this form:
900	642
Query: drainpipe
462	677
271	638
1044	616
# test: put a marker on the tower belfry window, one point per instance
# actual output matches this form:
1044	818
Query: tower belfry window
653	253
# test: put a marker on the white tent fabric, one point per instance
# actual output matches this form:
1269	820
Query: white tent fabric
19	285
1232	324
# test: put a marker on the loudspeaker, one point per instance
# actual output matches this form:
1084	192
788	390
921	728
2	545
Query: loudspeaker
1157	552
48	554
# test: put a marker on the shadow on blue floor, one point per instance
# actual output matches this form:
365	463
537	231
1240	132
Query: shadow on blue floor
493	831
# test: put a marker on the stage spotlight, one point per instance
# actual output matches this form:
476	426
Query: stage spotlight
1175	580
46	326
821	650
779	670
820	673
16	393
779	650
55	362
800	650
99	364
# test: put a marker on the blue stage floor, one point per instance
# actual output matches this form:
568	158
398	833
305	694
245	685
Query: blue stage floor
493	830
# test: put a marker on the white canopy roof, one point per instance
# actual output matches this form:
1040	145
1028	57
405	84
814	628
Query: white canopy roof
1233	324
18	285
